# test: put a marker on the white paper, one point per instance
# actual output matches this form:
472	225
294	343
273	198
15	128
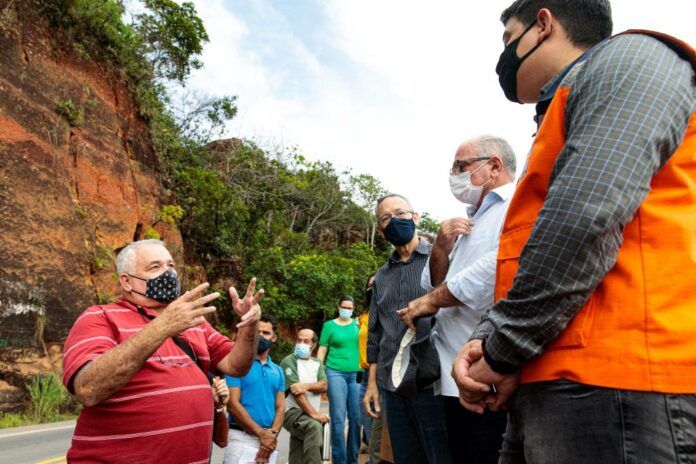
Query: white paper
249	455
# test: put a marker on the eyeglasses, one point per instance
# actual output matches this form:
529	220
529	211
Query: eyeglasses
460	166
385	219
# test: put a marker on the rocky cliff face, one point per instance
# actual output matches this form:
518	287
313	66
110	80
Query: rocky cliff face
78	181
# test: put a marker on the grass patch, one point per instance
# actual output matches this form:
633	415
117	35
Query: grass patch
49	401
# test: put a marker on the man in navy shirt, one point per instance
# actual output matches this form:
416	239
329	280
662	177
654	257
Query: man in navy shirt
257	402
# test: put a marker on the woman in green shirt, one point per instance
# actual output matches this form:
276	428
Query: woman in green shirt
339	338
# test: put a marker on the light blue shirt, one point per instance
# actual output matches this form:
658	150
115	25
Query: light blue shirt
471	279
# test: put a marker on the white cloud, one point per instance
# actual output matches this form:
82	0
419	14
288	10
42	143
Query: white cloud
403	84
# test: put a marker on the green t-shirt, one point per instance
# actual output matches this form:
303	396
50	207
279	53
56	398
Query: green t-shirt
342	342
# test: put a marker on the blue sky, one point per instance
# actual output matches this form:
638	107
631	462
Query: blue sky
385	87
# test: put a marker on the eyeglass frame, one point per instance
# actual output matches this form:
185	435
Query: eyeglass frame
467	162
397	213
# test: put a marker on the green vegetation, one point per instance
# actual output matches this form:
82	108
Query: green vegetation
151	233
102	257
428	224
104	297
75	115
48	402
171	213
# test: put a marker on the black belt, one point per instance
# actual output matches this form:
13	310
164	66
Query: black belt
236	427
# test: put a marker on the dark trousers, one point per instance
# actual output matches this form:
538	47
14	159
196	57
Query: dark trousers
417	428
570	423
473	438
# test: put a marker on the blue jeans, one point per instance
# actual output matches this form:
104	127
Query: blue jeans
572	423
364	418
417	428
344	396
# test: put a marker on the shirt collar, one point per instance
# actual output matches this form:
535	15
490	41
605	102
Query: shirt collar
422	249
269	361
128	305
501	193
549	90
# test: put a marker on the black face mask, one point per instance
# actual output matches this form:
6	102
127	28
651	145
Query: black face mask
508	65
263	344
163	288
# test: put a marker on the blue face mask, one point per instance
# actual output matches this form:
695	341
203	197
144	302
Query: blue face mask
302	351
344	313
400	231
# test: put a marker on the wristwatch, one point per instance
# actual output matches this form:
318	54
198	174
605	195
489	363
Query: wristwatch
501	367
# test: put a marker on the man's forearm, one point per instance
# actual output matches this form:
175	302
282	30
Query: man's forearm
439	265
242	417
317	387
239	360
101	378
279	415
372	375
441	297
304	404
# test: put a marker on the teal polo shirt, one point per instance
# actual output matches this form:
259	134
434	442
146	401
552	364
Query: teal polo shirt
258	391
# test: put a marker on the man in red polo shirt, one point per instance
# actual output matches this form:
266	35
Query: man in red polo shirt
145	399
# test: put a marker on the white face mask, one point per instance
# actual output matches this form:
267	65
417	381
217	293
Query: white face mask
463	190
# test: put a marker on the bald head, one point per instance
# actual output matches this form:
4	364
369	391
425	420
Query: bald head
308	337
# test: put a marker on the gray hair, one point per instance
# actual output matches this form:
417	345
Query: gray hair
488	145
391	195
125	260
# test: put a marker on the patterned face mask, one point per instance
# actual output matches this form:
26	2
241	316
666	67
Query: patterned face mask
163	288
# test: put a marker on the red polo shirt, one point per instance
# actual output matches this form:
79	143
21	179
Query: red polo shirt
164	413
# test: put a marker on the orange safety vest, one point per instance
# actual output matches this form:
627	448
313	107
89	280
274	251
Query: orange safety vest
638	329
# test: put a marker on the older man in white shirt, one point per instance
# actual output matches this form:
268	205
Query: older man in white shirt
460	278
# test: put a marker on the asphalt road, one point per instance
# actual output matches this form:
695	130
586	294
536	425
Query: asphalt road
48	443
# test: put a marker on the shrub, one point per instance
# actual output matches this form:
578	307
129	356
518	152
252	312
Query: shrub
171	214
75	115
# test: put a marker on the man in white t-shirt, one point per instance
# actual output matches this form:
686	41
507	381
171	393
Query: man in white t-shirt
305	381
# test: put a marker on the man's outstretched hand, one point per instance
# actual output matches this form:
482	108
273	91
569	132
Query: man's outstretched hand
247	308
187	311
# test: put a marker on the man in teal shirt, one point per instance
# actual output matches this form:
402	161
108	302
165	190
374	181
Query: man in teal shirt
257	401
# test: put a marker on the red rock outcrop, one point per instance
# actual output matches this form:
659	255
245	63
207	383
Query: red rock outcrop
78	180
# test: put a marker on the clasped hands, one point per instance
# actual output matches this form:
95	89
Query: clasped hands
268	442
475	378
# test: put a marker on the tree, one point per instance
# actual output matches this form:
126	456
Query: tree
428	224
173	36
365	191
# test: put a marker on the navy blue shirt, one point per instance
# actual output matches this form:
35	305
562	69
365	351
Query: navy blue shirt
258	391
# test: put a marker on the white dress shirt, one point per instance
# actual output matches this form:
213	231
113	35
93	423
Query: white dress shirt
471	279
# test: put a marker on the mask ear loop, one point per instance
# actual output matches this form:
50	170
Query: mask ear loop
134	290
526	55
